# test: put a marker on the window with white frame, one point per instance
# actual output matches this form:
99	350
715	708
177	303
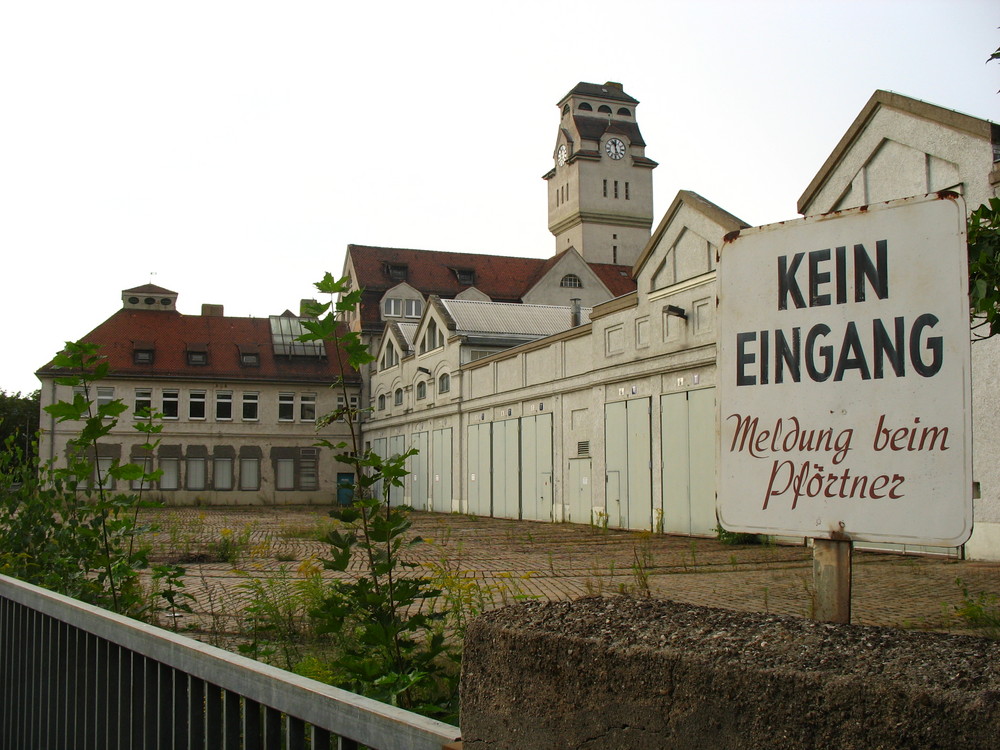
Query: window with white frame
392	307
250	407
286	407
196	405
572	281
171	401
143	402
412	308
341	406
307	407
223	406
105	395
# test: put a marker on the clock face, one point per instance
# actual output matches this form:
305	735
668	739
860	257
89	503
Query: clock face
615	148
561	155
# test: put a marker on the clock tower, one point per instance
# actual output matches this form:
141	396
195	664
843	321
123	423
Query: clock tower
601	183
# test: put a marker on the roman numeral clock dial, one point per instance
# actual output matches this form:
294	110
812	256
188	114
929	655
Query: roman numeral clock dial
615	148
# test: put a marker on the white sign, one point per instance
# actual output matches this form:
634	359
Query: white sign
844	376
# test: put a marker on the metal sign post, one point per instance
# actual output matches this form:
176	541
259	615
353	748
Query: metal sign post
844	383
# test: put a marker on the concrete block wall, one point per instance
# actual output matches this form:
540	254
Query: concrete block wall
616	673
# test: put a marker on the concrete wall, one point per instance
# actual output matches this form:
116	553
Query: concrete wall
618	673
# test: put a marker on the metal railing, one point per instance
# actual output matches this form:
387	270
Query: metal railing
75	676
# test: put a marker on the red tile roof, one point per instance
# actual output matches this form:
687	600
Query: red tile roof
502	278
172	333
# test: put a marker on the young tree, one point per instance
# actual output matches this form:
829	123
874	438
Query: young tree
19	415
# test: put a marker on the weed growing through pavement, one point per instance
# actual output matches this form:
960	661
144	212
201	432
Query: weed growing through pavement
980	610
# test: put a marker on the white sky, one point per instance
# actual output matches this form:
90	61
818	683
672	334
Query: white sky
234	149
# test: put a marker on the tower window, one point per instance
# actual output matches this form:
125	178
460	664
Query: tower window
626	191
614	254
616	189
572	281
565	109
585	107
624	111
604	109
605	188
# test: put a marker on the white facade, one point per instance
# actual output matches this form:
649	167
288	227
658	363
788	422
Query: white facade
898	147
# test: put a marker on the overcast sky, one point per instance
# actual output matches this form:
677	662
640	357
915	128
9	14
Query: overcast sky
230	151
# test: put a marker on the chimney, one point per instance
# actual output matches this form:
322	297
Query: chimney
304	305
212	311
574	312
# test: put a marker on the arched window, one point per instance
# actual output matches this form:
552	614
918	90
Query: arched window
585	107
565	109
604	109
572	281
397	397
624	111
381	402
444	383
421	390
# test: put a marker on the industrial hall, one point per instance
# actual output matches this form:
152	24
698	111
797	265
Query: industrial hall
578	388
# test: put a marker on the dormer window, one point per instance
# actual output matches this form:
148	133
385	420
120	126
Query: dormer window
571	281
249	355
143	352
465	276
412	308
197	354
395	271
392	307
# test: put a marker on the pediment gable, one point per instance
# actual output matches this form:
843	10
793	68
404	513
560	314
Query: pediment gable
685	243
898	147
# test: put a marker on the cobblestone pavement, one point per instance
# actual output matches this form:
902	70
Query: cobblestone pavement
510	560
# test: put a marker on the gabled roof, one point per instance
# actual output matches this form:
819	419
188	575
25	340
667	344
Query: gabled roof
720	216
471	317
172	334
989	131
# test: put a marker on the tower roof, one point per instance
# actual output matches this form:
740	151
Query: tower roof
609	90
